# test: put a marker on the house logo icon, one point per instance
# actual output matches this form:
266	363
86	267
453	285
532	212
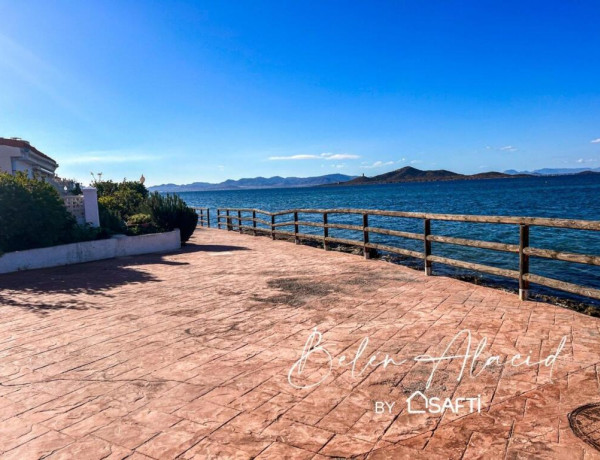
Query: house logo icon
413	401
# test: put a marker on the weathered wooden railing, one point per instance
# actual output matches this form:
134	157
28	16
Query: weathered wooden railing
203	216
233	219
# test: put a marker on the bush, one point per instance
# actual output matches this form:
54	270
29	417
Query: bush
129	201
125	198
141	224
140	219
88	233
111	220
108	187
170	212
32	214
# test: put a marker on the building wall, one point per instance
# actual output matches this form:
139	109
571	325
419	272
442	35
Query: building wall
5	154
20	165
16	159
40	164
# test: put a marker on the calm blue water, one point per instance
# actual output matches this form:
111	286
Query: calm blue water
574	197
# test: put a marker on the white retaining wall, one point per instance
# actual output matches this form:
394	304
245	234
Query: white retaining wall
88	251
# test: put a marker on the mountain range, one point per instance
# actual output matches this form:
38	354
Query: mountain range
552	171
406	174
255	183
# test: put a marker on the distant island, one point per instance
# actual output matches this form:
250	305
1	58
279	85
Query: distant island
554	171
406	174
410	174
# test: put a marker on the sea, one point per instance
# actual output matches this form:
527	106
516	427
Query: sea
566	197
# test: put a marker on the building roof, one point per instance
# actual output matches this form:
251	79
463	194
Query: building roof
22	144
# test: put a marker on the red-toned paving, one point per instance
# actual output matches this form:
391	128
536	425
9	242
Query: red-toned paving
187	355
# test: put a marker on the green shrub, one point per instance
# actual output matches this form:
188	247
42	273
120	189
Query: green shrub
126	202
170	212
126	198
88	233
105	188
140	219
129	201
111	220
141	224
32	214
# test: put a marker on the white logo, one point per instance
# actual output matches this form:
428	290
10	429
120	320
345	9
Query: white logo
435	405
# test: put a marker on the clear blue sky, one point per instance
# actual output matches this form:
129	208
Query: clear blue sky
204	91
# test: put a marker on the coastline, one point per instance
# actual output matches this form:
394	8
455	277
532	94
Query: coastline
587	306
351	184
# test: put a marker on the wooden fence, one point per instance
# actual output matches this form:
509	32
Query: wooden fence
235	219
203	216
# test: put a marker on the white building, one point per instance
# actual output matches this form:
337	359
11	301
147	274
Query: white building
18	155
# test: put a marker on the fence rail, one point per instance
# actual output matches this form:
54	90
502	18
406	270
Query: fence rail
203	216
245	219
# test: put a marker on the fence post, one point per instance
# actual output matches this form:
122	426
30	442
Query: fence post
296	240
325	231
218	218
228	220
208	217
365	236
427	253
272	226
254	222
240	221
523	262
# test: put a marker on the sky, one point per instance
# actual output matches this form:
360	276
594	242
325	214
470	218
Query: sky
206	91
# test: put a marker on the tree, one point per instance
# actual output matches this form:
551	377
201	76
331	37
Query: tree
32	214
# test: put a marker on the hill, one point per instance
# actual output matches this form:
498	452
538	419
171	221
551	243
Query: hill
410	174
